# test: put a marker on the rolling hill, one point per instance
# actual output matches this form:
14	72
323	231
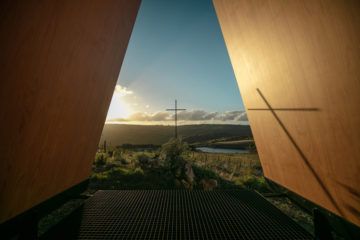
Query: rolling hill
118	134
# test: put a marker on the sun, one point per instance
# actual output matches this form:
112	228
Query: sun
119	108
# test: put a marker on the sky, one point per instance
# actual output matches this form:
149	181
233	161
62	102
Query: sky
176	51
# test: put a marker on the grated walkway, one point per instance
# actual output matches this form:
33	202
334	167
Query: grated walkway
171	214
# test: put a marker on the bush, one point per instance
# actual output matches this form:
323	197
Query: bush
142	159
202	173
118	157
101	176
100	159
256	183
138	171
173	153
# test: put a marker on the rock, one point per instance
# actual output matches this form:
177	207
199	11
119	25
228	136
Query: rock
225	166
208	184
189	173
177	183
186	184
177	172
154	162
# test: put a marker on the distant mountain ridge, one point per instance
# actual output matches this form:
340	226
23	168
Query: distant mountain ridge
118	134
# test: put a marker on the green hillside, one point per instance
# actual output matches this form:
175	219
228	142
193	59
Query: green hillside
118	134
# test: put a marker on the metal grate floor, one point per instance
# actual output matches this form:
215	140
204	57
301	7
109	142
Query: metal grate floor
164	214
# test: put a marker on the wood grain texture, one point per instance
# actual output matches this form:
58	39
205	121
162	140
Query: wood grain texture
59	64
304	57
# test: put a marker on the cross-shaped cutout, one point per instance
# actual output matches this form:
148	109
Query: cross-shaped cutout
294	143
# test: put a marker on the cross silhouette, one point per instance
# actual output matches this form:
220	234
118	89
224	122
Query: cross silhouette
175	110
295	144
271	109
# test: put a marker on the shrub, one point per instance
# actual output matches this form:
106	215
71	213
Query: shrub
202	173
138	171
100	159
123	171
142	159
101	176
256	183
173	153
118	157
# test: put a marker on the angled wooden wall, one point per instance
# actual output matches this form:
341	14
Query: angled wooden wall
59	63
302	60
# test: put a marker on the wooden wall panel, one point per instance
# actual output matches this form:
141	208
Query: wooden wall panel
302	60
59	64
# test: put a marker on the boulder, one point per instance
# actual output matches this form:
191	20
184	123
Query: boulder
189	173
208	184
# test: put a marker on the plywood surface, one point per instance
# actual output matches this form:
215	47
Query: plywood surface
59	63
301	59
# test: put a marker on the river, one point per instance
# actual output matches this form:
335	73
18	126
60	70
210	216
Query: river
221	150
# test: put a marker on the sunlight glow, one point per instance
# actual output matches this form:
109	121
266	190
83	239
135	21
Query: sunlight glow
119	108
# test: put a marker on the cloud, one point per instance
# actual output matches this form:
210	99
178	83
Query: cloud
122	91
196	115
140	116
189	117
160	116
233	116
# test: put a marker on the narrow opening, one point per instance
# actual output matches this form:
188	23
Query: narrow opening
176	118
177	72
176	105
177	67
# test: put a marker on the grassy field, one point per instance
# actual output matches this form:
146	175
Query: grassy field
132	169
118	134
242	170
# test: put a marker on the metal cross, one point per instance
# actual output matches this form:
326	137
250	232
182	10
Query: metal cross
175	110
